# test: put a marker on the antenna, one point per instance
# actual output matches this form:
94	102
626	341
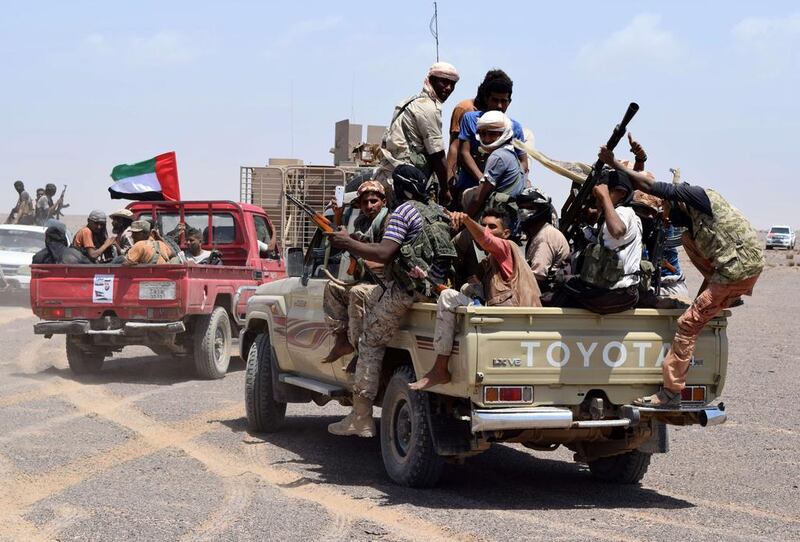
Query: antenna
434	28
291	116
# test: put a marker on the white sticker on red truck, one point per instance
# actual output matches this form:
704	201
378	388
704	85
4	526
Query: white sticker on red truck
103	290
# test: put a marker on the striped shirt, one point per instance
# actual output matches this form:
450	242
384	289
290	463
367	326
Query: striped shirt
405	224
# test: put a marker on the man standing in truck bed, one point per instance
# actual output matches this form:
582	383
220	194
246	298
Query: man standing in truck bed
722	245
415	228
414	135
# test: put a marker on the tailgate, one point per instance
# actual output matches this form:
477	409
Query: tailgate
573	347
91	291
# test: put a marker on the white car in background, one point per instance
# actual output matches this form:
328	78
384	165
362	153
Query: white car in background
18	244
780	236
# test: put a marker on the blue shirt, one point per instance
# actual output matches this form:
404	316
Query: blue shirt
504	172
469	132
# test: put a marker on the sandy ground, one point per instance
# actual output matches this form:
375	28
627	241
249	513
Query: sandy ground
143	451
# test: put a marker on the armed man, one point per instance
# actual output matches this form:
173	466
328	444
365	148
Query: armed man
723	246
23	212
418	255
414	135
546	249
505	280
344	305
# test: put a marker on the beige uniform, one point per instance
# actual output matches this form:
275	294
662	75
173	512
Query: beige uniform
414	133
548	248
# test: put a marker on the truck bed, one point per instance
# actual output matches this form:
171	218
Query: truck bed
143	292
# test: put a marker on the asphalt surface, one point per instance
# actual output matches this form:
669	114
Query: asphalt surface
144	451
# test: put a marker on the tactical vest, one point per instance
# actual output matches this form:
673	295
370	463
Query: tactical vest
728	240
432	246
521	288
602	267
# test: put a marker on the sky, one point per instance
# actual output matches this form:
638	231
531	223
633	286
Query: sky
85	86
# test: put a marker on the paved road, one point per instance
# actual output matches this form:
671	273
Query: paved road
145	452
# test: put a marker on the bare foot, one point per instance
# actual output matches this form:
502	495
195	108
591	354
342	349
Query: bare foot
431	379
340	349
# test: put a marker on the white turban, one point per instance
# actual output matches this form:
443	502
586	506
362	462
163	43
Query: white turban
444	70
495	121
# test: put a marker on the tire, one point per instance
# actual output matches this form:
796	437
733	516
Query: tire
409	456
264	413
212	343
83	361
627	468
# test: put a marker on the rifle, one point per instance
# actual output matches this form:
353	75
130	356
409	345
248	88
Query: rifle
325	225
60	205
581	194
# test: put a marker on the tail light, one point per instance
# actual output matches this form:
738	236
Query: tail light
694	394
53	313
507	394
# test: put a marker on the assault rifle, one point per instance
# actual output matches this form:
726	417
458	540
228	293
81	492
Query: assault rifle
325	225
60	205
580	196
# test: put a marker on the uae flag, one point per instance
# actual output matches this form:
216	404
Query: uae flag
152	180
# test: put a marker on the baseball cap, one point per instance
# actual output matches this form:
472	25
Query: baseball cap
140	226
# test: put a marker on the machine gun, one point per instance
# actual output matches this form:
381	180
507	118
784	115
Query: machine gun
325	225
580	196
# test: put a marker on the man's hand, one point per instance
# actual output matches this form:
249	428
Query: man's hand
637	149
600	192
457	219
444	197
417	273
339	238
606	156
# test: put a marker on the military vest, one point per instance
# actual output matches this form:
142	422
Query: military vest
432	246
602	267
728	241
521	288
396	146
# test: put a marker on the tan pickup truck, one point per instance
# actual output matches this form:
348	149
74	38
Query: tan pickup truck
543	377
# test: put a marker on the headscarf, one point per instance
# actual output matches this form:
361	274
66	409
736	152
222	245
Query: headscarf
55	248
443	70
495	121
409	183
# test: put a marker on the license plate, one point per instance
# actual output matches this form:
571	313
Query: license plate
157	290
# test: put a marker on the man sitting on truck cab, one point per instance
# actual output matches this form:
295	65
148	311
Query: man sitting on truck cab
344	305
505	280
723	246
418	253
146	250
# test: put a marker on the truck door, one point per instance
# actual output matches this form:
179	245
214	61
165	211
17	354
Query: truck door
308	336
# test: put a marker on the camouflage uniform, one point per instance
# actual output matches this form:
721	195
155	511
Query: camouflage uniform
386	311
344	308
726	250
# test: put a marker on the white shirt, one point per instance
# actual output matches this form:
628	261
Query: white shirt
631	255
204	254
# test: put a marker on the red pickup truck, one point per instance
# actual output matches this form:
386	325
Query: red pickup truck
183	310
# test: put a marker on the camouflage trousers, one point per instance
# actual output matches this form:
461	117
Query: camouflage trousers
344	309
384	314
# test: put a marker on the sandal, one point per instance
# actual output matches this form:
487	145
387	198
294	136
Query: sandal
663	399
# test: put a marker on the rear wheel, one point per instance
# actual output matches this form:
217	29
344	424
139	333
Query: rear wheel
407	445
627	468
264	413
212	344
83	359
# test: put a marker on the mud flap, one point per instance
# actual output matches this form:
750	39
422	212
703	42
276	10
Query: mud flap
451	435
658	443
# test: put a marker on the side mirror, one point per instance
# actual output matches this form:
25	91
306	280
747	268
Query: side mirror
294	262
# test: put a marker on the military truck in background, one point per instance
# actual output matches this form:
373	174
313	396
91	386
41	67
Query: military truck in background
543	377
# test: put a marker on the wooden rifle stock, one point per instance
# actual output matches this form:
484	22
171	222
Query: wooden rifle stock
581	195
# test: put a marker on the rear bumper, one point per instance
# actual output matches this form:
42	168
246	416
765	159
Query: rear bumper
128	329
500	419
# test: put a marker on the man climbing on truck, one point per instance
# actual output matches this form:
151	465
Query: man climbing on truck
505	280
416	230
723	246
